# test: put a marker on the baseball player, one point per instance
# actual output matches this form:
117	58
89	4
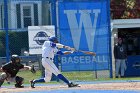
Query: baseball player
49	49
11	69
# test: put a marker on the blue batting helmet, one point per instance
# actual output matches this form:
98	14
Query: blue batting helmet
53	39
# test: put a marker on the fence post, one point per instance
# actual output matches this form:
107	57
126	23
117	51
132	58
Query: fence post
53	14
110	47
6	29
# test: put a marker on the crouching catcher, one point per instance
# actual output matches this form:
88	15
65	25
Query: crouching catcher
10	70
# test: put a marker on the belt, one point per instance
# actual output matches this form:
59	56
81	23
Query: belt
48	58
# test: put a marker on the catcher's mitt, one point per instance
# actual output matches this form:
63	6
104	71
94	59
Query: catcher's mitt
33	69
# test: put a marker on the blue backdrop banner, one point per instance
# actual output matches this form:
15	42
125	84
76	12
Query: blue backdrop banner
85	26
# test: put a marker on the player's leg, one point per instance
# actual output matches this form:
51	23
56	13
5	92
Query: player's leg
3	76
19	81
48	74
47	78
1	82
123	67
52	67
117	67
56	71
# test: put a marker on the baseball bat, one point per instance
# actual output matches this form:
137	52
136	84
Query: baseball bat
88	52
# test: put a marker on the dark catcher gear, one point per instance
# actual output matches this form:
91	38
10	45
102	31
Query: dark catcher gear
15	59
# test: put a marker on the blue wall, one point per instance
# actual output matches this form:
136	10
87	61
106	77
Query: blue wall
85	26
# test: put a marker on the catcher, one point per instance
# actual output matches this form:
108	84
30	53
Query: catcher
9	71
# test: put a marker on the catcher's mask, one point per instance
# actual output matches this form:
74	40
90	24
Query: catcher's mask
15	59
53	39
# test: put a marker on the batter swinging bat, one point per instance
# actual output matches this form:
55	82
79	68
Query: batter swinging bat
88	52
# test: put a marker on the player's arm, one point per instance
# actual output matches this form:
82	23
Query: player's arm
27	68
64	52
31	68
58	45
1	69
4	67
23	67
67	52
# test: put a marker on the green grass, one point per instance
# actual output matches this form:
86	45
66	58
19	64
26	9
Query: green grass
27	75
81	76
76	76
90	76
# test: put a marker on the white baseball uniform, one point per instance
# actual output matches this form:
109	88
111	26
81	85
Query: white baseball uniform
49	49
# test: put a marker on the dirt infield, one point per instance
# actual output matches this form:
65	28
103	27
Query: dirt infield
98	86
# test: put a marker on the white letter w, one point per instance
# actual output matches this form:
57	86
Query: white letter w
86	22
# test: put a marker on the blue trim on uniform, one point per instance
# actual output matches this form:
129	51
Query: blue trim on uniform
39	80
60	76
52	44
60	53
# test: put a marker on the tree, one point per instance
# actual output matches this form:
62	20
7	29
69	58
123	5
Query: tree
125	9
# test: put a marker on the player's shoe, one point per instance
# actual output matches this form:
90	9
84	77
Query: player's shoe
19	86
73	85
32	84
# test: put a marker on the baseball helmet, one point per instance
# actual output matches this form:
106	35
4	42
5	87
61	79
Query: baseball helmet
53	39
15	58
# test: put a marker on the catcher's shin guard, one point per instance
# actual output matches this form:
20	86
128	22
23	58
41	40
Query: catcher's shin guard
19	82
3	76
1	82
19	86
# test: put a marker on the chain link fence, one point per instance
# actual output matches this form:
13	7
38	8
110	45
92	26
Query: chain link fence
15	20
24	13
